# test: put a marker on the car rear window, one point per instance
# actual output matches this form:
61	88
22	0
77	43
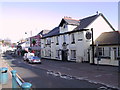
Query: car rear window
36	58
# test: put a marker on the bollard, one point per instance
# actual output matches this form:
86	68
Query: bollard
26	86
14	84
13	73
3	75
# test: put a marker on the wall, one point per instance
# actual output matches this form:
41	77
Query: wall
71	27
107	62
27	43
67	28
99	26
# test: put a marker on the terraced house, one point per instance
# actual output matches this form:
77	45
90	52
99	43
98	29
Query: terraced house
71	39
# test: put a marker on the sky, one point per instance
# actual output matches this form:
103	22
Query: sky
16	18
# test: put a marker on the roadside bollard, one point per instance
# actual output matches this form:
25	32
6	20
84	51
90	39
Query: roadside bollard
26	86
3	75
14	84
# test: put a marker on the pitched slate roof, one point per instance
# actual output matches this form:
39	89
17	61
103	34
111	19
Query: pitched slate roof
53	32
69	21
81	24
43	32
109	38
85	22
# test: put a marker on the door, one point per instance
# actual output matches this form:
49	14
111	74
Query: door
88	53
64	55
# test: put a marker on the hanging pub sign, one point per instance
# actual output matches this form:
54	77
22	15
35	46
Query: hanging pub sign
88	35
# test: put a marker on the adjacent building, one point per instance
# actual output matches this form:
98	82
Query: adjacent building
34	43
108	48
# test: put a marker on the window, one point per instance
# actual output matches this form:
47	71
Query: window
101	51
48	41
57	54
118	51
73	54
64	26
47	53
64	38
109	51
57	40
115	52
72	38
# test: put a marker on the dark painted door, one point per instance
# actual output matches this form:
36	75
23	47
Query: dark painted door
88	56
64	55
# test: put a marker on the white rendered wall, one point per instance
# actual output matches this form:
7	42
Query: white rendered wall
99	26
71	27
67	29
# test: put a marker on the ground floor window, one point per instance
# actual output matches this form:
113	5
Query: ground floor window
57	54
73	54
118	51
47	53
103	52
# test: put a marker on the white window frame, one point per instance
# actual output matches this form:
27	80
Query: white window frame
57	54
57	40
72	38
73	54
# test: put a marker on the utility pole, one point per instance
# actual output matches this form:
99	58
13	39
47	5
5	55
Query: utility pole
31	33
92	47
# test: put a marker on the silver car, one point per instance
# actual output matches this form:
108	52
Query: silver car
34	59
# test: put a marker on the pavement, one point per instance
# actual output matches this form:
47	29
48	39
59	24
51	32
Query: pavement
9	82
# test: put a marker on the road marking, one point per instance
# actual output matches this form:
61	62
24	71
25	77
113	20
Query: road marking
98	75
10	69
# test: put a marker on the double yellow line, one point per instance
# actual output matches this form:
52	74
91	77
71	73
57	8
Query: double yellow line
10	69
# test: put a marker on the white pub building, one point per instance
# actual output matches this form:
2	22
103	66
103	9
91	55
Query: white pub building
72	39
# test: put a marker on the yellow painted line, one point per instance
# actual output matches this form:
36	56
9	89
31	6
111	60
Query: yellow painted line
10	69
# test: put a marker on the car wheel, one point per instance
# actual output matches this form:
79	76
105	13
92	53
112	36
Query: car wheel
29	62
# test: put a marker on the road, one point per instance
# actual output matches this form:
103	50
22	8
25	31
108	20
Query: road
48	74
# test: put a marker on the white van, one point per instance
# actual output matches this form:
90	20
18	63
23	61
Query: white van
27	56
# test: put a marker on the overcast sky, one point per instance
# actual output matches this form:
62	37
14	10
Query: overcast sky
20	17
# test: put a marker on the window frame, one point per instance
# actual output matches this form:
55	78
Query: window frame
72	38
73	54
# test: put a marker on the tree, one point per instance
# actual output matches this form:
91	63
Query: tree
33	42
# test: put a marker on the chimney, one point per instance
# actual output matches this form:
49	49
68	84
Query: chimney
67	17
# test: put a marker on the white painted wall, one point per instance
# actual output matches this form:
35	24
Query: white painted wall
99	26
71	27
67	29
42	48
63	30
27	43
107	62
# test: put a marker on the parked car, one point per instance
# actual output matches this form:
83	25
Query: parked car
27	56
34	59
